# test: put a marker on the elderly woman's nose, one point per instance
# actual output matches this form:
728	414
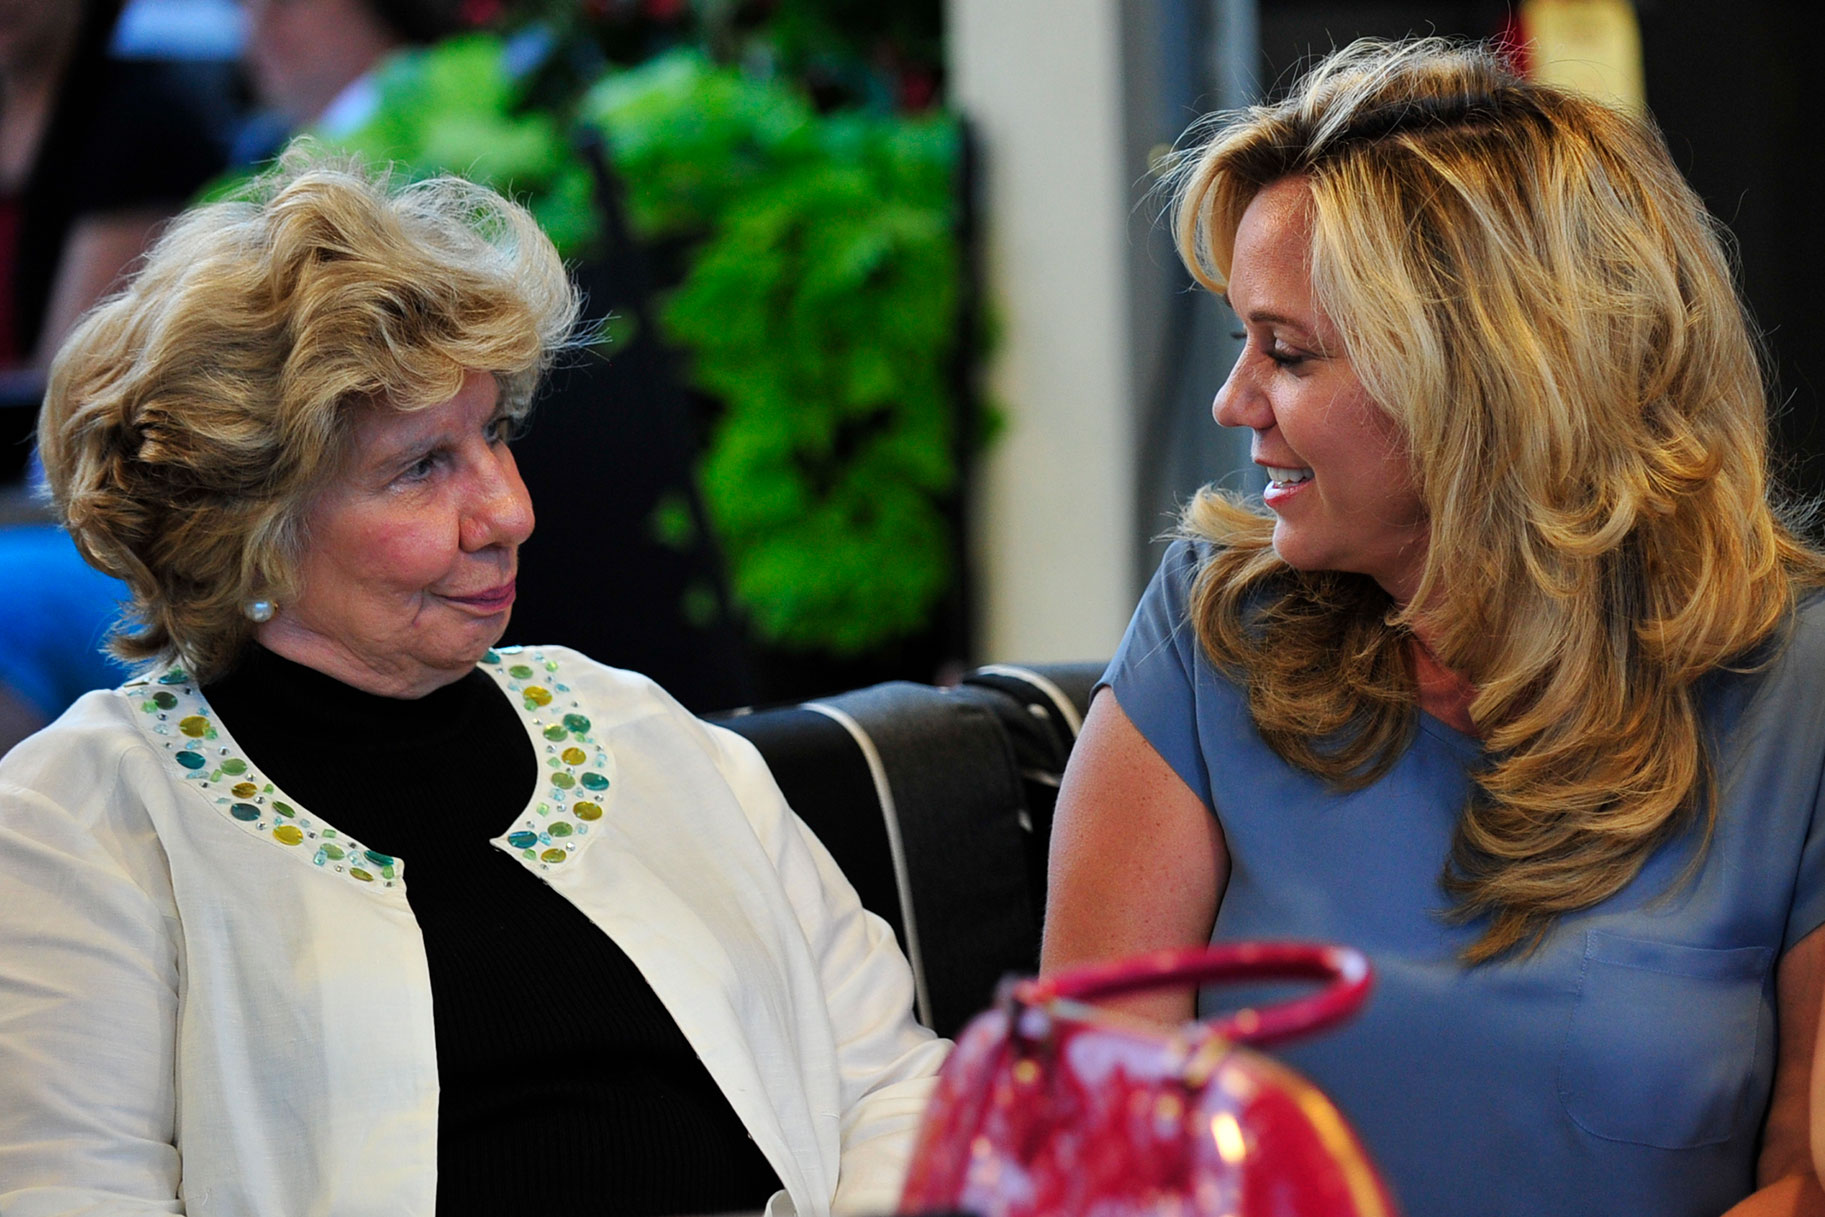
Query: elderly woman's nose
500	512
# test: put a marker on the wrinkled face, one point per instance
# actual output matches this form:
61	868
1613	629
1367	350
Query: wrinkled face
1340	477
410	554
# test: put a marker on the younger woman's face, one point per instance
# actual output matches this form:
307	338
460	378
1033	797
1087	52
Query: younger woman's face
1340	474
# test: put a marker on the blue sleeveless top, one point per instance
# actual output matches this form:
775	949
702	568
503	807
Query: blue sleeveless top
1625	1066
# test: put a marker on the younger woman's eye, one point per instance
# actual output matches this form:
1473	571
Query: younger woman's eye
1285	357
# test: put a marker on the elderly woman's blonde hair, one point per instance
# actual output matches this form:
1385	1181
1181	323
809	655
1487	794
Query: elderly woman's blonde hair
191	419
1529	289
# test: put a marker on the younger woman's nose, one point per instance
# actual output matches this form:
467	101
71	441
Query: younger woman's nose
1239	403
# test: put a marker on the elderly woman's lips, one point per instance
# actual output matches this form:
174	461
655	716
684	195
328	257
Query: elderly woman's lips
492	600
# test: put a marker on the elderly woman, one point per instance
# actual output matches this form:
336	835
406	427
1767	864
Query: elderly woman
341	908
1512	679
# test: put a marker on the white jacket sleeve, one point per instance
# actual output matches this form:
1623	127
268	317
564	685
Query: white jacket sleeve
89	983
888	1062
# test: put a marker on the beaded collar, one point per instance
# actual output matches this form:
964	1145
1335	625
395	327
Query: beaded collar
575	781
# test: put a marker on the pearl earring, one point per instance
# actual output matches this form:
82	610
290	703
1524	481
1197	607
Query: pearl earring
259	611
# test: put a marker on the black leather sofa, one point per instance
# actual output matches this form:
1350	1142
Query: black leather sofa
937	803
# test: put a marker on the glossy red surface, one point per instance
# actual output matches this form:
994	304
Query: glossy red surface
1051	1109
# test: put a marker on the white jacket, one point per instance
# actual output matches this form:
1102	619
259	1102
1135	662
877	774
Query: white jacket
212	1003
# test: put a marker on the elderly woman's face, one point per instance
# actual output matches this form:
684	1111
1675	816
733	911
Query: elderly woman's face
410	554
1340	477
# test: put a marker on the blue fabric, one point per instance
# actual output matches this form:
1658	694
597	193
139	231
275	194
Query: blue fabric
54	619
1623	1068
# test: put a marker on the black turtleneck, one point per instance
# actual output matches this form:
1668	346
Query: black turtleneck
566	1086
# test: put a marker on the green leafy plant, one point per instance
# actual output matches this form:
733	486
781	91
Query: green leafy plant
456	108
820	311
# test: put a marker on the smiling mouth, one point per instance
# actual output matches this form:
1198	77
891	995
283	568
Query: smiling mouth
493	600
1281	478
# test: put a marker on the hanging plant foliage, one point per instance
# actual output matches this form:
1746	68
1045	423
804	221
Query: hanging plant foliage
820	311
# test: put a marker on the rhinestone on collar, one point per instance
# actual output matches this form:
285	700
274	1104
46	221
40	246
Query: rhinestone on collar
577	772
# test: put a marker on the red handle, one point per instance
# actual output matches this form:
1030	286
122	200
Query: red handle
1345	968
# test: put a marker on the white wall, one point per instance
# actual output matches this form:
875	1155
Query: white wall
1040	82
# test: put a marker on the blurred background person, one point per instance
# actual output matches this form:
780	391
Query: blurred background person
309	63
96	152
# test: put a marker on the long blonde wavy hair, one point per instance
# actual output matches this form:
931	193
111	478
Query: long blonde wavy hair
191	419
1528	287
